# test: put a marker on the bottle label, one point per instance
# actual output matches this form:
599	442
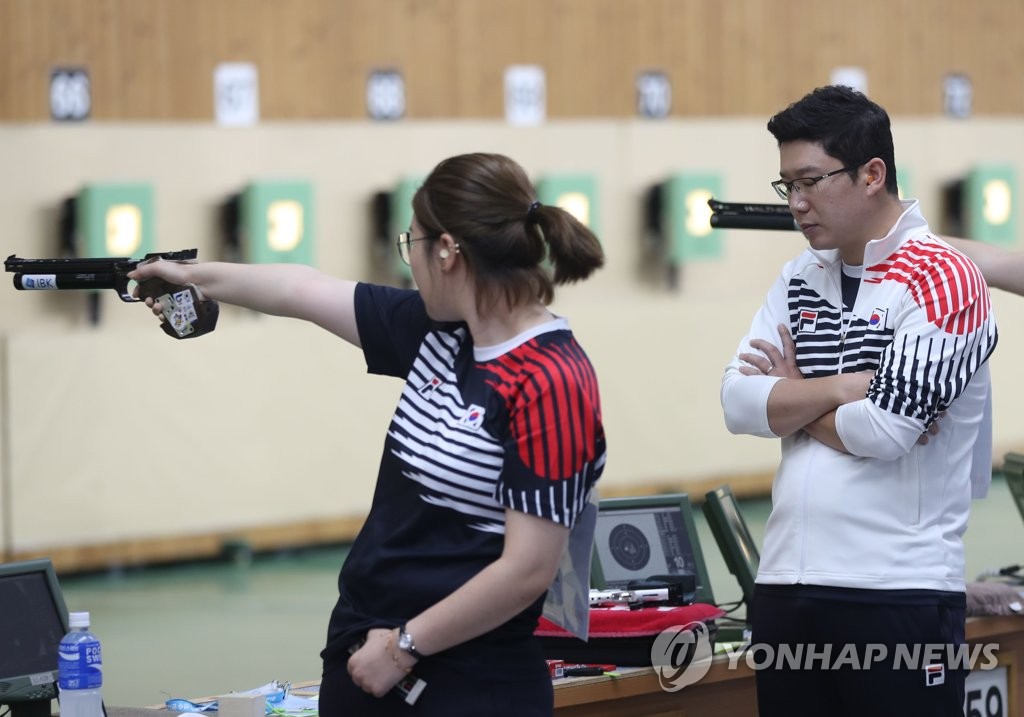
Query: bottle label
80	666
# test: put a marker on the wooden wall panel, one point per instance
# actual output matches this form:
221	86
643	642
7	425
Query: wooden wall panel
154	59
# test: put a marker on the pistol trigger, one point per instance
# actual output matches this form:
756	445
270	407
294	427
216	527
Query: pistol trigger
121	284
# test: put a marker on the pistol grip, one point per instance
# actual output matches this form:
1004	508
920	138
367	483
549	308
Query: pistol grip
186	315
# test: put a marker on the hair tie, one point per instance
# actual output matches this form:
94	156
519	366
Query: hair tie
532	211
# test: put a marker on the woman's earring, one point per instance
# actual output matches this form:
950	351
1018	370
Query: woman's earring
444	253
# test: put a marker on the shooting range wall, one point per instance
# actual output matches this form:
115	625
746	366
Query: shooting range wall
154	60
117	435
119	444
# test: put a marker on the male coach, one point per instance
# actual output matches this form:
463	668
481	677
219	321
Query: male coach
874	333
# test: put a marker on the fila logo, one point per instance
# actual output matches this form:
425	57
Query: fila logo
934	675
473	418
876	322
429	387
808	322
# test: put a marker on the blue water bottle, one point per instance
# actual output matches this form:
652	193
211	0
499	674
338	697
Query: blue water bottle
80	670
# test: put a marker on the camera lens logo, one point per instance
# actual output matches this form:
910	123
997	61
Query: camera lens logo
681	655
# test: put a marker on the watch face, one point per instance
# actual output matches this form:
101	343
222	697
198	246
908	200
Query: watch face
405	641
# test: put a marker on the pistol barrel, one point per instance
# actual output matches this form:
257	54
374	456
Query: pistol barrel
753	221
749	215
54	282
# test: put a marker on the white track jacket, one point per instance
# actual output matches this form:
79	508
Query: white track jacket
892	514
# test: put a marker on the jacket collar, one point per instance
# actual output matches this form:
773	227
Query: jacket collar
910	223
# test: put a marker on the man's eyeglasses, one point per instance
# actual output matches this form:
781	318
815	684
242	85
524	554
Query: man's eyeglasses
405	240
803	184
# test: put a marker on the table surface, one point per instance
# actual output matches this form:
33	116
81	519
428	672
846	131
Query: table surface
728	688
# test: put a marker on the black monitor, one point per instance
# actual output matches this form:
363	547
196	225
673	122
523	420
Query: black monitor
733	537
637	538
33	619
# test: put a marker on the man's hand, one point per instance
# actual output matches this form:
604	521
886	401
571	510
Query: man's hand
771	361
932	430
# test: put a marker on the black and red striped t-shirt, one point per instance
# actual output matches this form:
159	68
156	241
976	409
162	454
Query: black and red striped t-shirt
476	431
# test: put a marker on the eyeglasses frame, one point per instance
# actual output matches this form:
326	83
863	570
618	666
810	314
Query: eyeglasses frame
784	189
405	242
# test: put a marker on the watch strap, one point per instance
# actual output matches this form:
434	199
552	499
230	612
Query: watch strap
407	644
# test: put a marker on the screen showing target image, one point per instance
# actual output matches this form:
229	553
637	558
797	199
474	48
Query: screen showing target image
636	544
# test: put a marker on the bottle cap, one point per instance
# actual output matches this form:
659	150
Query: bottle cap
78	619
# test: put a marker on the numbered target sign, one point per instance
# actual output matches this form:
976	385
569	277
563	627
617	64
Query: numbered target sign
653	95
957	95
385	95
987	693
236	94
525	95
856	78
70	94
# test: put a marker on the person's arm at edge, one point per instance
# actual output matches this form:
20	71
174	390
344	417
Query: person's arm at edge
291	290
1001	268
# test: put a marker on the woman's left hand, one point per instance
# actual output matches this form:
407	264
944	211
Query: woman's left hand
378	665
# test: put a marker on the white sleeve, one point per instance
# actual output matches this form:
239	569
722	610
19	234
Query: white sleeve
981	459
745	398
871	432
941	340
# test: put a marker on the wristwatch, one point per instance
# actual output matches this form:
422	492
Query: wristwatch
406	643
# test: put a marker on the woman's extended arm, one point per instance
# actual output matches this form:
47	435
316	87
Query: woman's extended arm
1001	268
292	290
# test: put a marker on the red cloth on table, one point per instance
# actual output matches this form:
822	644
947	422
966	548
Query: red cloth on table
623	622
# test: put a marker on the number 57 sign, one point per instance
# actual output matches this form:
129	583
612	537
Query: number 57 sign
236	95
